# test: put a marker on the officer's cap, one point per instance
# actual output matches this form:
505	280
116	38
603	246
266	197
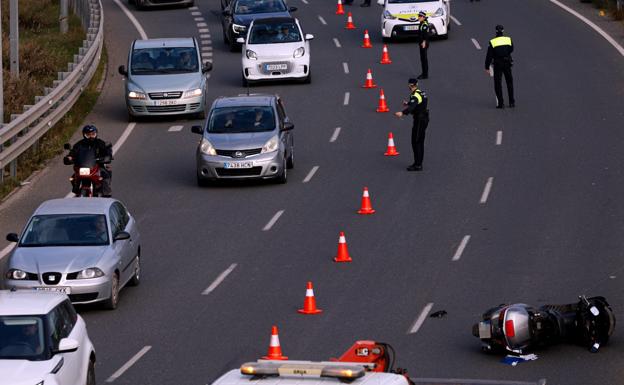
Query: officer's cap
412	81
499	28
422	14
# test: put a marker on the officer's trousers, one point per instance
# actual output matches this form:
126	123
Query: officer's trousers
419	129
499	71
424	63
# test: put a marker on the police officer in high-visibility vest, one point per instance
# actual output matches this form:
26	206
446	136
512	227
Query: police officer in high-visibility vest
417	107
423	44
499	53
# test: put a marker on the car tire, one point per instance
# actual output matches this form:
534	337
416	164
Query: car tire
138	5
113	300
283	177
201	115
136	277
191	4
91	373
308	79
233	45
445	36
202	182
226	39
385	39
290	161
245	82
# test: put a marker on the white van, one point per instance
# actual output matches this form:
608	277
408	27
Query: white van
400	17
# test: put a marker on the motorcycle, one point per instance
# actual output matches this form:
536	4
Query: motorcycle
87	179
518	328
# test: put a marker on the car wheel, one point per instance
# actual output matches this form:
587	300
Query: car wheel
244	81
136	277
290	162
192	3
91	373
445	36
111	302
283	177
385	39
308	79
201	115
233	46
201	182
138	4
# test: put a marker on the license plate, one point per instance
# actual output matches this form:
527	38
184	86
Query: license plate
85	171
165	102
276	67
410	28
238	165
61	289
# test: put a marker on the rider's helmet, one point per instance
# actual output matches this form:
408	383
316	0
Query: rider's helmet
88	129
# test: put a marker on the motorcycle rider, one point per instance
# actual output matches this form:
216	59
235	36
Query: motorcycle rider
102	151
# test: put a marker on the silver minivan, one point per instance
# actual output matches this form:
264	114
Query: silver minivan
165	77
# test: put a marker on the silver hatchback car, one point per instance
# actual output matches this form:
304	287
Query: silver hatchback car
87	248
247	136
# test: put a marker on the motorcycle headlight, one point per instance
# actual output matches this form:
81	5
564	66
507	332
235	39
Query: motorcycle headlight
271	145
237	28
388	15
251	55
136	95
206	147
92	272
299	52
16	274
84	171
439	12
193	93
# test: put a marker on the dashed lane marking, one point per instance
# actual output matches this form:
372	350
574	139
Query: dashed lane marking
128	364
346	99
305	1
345	67
199	19
476	43
310	174
455	20
322	20
194	8
421	319
202	25
461	248
270	224
337	43
203	30
486	190
335	135
195	13
175	128
133	19
206	48
204	36
499	138
219	279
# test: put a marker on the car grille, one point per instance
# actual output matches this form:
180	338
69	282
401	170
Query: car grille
84	297
174	108
138	108
166	95
262	68
243	153
51	278
254	171
194	106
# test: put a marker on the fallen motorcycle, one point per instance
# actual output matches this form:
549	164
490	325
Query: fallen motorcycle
519	328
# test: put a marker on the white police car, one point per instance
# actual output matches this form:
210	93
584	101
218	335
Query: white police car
400	17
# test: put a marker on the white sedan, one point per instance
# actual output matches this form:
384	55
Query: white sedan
276	49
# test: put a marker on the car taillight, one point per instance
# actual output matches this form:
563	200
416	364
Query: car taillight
84	171
510	331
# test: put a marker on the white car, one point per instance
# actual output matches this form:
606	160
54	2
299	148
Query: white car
275	49
43	341
400	17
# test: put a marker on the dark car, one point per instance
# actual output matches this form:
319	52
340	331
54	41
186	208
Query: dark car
142	4
238	14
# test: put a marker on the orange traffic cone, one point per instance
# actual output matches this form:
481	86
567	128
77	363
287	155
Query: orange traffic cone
369	80
367	42
339	8
366	203
385	57
391	151
350	24
383	107
275	350
343	252
309	304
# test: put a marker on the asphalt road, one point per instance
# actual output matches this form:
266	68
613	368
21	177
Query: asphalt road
549	229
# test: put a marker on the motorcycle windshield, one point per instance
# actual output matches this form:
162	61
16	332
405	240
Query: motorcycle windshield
85	157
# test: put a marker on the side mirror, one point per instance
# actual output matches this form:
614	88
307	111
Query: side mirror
309	36
207	67
288	126
120	236
67	345
67	146
226	13
292	9
197	130
12	237
122	70
240	40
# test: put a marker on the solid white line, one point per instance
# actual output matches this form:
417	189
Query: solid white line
346	99
128	364
499	138
123	137
310	174
175	128
219	279
277	215
133	19
596	28
335	135
476	43
486	190
4	252
203	30
337	43
461	247
345	67
455	20
421	318
322	20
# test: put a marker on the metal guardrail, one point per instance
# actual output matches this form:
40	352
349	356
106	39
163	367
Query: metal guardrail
25	129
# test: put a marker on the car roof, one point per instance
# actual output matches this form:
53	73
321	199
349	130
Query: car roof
234	377
169	42
28	302
75	206
245	100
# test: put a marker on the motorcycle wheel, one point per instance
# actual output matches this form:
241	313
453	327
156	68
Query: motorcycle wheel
84	193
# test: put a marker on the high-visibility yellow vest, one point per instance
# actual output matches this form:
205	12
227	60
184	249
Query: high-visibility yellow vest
500	41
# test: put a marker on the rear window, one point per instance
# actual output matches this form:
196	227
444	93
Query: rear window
241	119
286	32
164	60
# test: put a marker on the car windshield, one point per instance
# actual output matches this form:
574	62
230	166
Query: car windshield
247	7
164	60
410	1
241	119
22	338
66	230
286	32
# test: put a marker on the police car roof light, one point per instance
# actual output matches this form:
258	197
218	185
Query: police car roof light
339	370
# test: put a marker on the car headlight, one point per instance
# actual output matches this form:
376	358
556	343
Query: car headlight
388	15
271	145
439	12
299	52
193	93
237	28
136	95
16	274
206	147
91	272
251	55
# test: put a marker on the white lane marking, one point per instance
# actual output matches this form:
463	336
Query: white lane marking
335	135
194	8
337	43
175	128
322	20
277	215
421	318
305	1
4	252
206	48
486	190
476	43
196	13
310	174
206	55
499	138
199	19
461	248
204	36
203	30
346	99
219	279
345	67
123	137
455	20
206	41
202	25
596	28
133	19
128	364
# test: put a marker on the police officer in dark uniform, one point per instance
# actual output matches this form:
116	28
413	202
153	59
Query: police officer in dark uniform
499	53
423	44
101	150
417	107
